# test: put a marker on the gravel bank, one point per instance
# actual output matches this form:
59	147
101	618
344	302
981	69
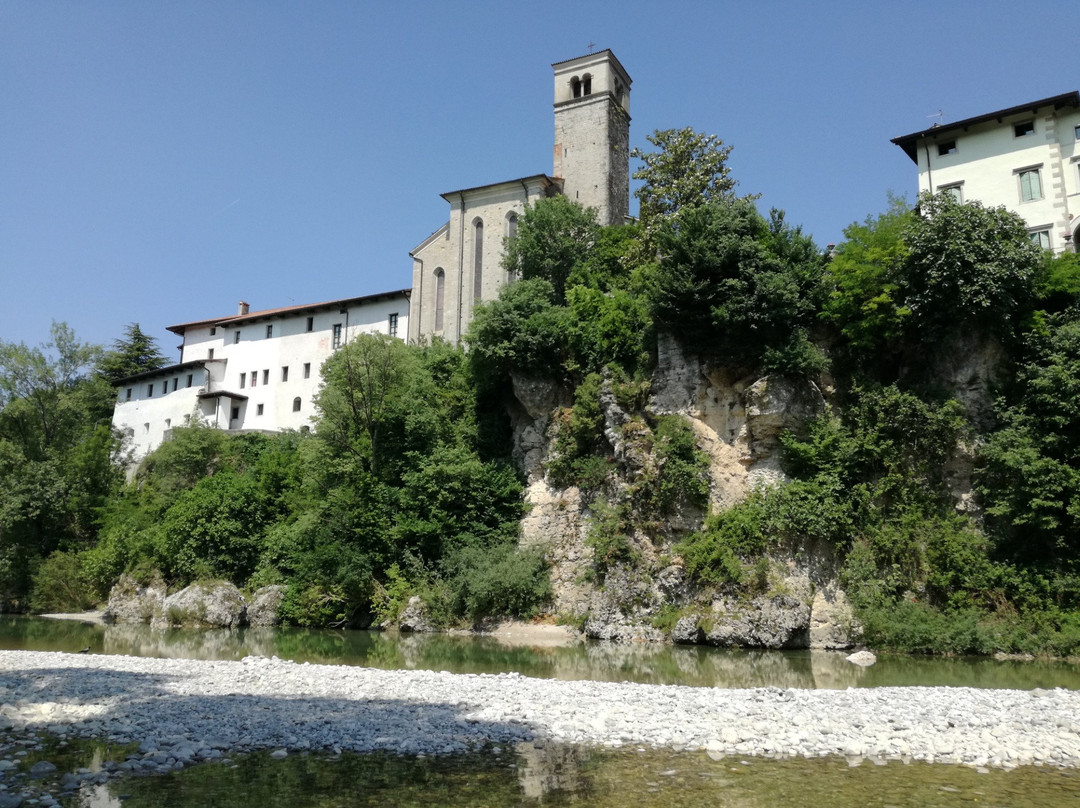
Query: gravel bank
182	711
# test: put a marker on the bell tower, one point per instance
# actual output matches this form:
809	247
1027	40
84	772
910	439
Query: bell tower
592	133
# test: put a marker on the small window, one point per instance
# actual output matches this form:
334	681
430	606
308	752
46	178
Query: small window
168	423
210	354
127	397
310	323
1025	128
1076	131
946	147
270	331
190	379
258	409
336	340
243	380
176	384
213	331
392	325
146	428
235	413
149	391
1030	185
235	337
1040	238
254	377
266	376
296	404
285	373
307	370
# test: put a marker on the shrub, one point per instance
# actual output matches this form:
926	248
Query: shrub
61	585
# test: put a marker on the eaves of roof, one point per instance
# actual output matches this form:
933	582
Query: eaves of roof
909	143
164	371
234	319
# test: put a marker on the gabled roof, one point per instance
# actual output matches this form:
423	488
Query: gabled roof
909	143
234	319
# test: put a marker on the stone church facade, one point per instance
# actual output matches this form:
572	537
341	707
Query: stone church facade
460	264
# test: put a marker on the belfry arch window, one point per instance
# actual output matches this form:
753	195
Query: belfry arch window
478	258
440	297
586	84
575	87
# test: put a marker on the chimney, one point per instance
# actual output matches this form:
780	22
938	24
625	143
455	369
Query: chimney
242	308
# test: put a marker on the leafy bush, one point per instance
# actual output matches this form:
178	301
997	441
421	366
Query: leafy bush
684	469
500	581
61	585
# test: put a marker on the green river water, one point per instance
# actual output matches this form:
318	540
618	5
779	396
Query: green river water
555	775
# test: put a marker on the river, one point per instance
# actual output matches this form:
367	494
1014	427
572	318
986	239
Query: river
553	775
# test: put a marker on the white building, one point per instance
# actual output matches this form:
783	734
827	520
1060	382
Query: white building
459	264
1025	158
255	370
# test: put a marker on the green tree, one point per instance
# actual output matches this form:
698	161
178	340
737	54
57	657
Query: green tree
865	277
55	449
689	170
967	265
133	353
735	288
373	404
554	236
1029	477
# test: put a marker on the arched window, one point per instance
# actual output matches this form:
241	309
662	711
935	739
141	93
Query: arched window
478	258
440	297
511	232
586	84
296	404
575	86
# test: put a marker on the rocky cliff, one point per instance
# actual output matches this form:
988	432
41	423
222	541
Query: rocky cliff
646	595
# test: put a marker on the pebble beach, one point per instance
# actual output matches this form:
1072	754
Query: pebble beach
183	711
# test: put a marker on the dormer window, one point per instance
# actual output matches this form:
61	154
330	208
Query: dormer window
1025	128
946	147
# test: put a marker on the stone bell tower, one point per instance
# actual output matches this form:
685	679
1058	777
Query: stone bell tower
592	133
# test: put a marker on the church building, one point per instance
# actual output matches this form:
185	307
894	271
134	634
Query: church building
460	264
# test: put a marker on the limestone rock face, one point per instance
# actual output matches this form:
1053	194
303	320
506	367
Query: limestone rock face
773	406
203	605
263	609
737	422
132	602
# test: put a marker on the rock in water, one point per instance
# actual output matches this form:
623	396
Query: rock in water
263	609
863	659
202	605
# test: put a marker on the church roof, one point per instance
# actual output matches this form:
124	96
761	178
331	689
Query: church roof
909	142
544	179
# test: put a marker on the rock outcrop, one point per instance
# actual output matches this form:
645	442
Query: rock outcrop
203	605
216	604
132	602
738	423
262	610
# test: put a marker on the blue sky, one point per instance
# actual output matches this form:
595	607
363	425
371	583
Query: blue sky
161	161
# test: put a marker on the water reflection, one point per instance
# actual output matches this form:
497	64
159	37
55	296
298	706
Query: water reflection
562	776
655	664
